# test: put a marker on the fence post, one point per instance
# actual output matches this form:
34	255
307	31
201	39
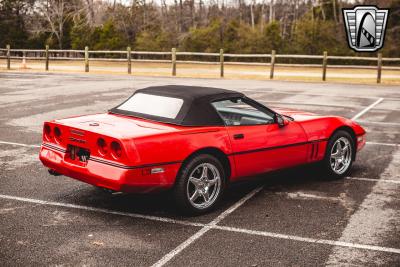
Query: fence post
173	59
8	57
271	74
324	63
128	55
23	65
378	80
86	59
47	57
221	62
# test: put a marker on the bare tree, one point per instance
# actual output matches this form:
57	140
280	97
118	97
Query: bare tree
56	12
90	12
321	5
240	10
192	13
180	15
164	12
262	22
271	11
252	13
334	11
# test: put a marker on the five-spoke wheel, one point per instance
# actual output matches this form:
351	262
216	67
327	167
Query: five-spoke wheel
199	184
339	154
204	185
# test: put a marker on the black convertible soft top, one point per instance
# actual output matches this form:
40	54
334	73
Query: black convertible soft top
196	109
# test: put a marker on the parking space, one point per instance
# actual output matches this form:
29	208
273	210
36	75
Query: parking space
384	116
238	249
42	235
295	217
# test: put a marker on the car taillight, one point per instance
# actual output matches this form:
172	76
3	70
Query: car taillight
116	150
57	135
102	146
47	132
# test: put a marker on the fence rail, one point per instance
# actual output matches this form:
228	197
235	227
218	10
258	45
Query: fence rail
126	56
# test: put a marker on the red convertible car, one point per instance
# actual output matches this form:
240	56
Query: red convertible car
194	141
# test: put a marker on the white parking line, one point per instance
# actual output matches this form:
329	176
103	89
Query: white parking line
373	222
304	104
373	180
273	91
302	195
365	110
309	240
18	144
205	229
87	208
383	144
379	123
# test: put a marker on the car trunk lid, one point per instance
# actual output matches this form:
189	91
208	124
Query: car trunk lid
117	126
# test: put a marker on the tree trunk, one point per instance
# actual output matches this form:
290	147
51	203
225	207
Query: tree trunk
176	16
200	12
252	14
296	10
240	11
144	15
192	13
340	8
163	13
271	11
262	22
90	11
321	5
334	10
180	15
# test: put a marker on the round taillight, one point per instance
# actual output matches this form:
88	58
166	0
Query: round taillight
102	146
116	149
57	134
47	132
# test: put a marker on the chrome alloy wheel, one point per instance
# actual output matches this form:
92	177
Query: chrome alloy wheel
204	185
341	155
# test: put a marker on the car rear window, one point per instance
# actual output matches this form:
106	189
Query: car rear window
154	105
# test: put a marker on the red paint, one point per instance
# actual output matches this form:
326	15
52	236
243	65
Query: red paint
147	145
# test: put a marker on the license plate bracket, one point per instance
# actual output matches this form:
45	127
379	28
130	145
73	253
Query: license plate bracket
78	153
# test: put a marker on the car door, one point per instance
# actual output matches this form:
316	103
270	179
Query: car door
286	146
259	144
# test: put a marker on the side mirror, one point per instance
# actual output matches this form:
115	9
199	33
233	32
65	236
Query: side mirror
281	121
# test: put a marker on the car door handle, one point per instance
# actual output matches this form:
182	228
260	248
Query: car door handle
238	136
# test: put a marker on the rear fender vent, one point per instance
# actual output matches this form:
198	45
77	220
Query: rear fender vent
314	150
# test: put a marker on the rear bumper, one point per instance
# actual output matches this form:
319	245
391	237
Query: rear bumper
109	175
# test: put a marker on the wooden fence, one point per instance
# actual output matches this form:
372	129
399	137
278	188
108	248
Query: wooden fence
220	58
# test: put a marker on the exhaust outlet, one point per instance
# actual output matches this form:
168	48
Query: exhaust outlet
53	172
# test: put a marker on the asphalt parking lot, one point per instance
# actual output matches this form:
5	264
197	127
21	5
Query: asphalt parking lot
291	218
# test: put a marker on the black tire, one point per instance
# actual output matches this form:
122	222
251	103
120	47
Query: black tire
182	188
328	162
